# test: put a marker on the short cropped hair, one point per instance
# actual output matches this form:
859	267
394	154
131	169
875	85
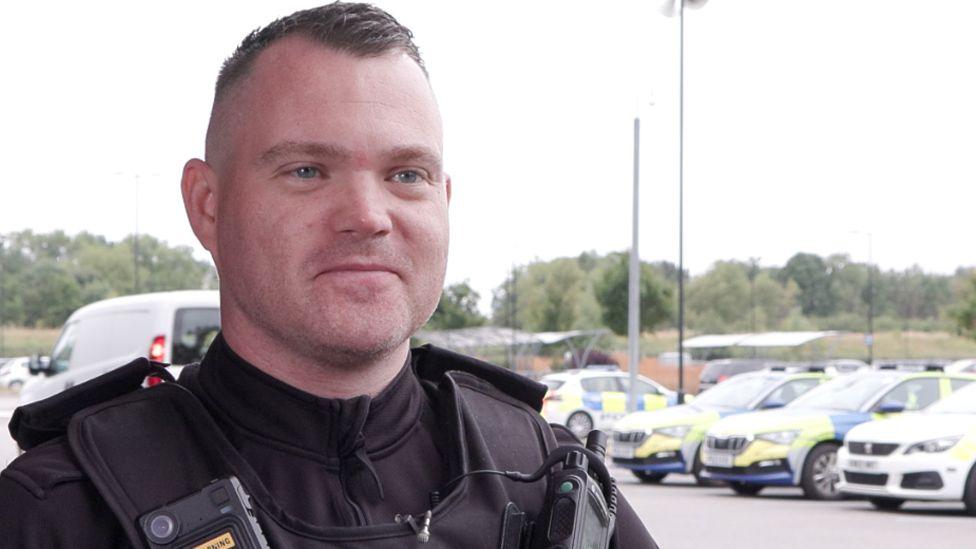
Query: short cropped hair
357	29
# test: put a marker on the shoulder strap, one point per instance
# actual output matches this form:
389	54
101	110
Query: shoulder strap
148	448
40	421
432	362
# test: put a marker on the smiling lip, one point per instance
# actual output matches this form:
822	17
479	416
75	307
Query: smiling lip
358	268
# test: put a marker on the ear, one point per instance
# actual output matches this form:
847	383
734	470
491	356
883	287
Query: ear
447	187
199	186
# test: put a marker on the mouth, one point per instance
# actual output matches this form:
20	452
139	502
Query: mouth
359	269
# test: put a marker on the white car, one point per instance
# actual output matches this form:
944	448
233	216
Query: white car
173	327
15	372
594	398
964	366
929	455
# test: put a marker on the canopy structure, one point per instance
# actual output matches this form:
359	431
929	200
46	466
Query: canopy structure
767	339
783	339
516	342
712	341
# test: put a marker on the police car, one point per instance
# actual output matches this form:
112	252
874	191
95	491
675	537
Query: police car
926	456
653	444
797	446
593	398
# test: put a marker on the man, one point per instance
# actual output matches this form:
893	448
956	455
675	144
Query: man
323	201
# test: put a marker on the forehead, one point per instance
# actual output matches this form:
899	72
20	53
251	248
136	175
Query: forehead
299	90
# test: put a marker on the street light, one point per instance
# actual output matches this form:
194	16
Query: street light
633	281
671	8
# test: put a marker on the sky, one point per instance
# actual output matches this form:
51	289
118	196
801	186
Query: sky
808	125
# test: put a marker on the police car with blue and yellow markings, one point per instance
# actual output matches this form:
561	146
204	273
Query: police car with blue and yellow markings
595	397
927	456
797	446
653	444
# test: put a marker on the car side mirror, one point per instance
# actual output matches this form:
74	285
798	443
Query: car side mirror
39	365
772	404
891	408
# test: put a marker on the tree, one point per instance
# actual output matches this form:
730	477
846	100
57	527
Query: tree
774	302
49	295
545	297
612	291
718	301
965	312
48	276
813	277
458	308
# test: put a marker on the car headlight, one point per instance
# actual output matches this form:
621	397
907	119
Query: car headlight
934	445
779	437
676	431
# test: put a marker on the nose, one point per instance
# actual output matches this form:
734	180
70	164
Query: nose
361	208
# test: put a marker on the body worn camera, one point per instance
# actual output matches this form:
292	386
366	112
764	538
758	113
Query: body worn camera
580	507
218	517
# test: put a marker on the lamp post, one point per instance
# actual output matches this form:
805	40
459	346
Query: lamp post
669	9
633	280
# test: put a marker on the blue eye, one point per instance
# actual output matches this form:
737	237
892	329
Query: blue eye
306	172
407	176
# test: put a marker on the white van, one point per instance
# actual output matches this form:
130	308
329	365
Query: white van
173	327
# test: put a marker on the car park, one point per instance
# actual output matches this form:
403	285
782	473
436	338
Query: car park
653	444
797	446
929	456
593	398
172	327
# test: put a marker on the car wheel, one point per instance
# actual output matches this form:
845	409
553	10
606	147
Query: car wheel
821	473
697	468
580	423
743	489
648	477
969	495
886	504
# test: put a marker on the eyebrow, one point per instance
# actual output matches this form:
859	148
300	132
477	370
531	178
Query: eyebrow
287	149
419	154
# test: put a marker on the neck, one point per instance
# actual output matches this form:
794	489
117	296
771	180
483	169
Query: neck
323	376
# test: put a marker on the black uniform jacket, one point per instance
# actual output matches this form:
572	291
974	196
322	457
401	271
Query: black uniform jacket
326	461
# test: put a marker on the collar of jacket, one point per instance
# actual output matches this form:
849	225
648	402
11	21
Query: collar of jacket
268	408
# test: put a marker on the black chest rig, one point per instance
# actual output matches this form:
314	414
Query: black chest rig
143	448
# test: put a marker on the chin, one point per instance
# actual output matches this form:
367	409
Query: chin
363	341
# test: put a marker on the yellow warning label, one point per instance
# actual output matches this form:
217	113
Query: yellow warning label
223	541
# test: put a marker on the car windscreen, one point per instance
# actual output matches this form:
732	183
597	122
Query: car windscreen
193	331
713	370
962	401
64	347
737	392
553	384
849	392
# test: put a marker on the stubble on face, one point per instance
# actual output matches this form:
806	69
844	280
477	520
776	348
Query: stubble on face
342	270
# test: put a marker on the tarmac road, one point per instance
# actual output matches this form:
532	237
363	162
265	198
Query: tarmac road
681	515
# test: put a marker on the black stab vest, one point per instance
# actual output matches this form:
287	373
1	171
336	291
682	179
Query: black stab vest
143	448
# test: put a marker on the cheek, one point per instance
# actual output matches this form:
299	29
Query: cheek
258	235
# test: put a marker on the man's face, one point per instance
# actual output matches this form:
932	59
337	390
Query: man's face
331	202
